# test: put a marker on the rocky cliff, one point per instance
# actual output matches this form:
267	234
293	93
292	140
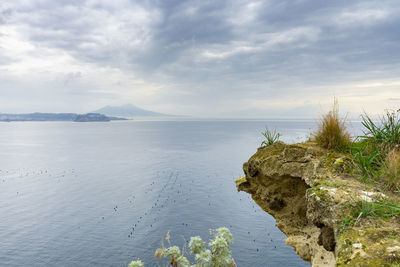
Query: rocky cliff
313	197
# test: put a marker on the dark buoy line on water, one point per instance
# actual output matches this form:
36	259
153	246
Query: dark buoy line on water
167	197
169	190
13	175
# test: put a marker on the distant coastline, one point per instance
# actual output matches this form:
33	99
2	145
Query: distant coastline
37	116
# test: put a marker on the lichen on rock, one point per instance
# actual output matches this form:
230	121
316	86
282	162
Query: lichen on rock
309	192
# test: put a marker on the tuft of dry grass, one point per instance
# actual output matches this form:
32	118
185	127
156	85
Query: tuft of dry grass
391	170
332	132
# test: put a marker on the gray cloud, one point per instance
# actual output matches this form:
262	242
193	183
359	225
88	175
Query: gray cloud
71	77
207	57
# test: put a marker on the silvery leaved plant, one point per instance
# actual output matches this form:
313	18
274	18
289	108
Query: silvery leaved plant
217	255
137	263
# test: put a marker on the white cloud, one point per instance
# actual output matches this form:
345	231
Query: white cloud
363	17
298	36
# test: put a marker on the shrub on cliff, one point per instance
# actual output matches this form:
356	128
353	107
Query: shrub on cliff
271	137
332	132
218	253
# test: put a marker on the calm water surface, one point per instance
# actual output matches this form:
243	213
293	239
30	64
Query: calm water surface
86	194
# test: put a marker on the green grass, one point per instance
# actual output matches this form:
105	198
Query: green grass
271	137
367	156
346	223
386	133
378	209
377	150
365	209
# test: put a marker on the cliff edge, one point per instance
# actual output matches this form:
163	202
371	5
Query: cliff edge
314	198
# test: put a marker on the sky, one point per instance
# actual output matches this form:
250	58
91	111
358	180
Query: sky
256	59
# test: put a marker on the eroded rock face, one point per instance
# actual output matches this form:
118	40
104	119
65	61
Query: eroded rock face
307	193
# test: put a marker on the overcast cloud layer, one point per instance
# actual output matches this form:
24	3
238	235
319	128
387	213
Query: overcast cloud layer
205	58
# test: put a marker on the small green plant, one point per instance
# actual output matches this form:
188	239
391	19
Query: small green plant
271	137
376	209
346	224
386	133
332	132
367	156
217	255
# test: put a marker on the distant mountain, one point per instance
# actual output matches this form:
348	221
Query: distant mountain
128	111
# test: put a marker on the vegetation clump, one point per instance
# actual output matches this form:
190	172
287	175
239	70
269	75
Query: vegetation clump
391	170
271	137
377	151
332	132
376	209
387	132
217	255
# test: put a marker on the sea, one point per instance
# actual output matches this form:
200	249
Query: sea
107	193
